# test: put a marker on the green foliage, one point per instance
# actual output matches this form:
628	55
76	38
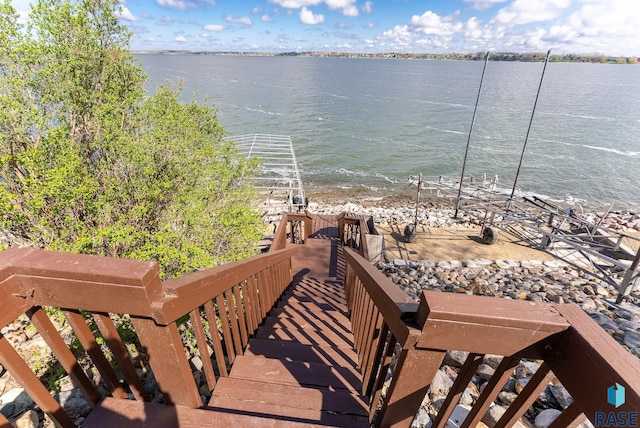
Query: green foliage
90	164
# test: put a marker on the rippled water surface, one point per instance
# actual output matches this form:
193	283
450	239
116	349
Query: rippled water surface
373	123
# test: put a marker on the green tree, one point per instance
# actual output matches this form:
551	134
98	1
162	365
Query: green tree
89	163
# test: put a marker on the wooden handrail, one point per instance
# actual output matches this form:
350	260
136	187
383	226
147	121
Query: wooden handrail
233	298
188	292
361	231
567	341
289	221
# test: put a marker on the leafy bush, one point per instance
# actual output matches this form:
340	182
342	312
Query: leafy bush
90	164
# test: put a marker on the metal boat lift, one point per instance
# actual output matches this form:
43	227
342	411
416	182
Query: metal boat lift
607	254
279	179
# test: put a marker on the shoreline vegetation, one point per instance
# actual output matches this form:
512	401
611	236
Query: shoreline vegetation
594	58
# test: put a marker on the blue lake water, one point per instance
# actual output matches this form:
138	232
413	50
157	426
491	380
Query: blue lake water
372	123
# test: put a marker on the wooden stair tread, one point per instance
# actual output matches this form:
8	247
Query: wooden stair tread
314	305
292	351
113	412
293	415
320	308
299	397
307	336
296	373
304	311
307	322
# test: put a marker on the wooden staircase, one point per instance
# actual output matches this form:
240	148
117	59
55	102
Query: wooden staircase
299	369
301	365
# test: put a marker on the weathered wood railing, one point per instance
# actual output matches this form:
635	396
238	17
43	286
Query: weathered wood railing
353	233
209	314
571	347
294	228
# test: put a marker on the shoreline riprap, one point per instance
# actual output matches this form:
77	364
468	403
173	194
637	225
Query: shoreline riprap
533	280
400	209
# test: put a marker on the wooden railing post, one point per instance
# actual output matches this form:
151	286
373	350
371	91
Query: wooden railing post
413	375
168	361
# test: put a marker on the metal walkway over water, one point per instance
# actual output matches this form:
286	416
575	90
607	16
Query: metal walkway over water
279	179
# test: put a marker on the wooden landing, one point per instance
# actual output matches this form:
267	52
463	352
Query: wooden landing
301	366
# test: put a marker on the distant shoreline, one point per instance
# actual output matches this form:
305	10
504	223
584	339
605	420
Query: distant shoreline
474	56
406	197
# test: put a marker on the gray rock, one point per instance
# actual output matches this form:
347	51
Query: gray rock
562	395
485	372
526	369
458	416
15	402
493	415
492	361
455	358
632	340
150	384
604	321
468	397
28	420
440	385
507	397
589	305
546	417
74	403
422	419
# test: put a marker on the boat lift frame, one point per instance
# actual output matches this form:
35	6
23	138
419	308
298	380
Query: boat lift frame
279	179
607	254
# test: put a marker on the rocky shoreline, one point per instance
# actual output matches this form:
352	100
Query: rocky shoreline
533	280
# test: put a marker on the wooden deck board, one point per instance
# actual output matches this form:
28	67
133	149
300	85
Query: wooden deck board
294	373
113	412
295	416
299	397
305	336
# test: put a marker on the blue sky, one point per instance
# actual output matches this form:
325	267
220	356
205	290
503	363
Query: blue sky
565	26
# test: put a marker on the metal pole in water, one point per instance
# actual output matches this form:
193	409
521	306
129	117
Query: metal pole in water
473	119
526	138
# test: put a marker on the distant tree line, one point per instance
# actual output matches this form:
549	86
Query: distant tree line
473	56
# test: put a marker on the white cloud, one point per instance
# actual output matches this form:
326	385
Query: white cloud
177	4
125	14
214	27
399	36
367	8
266	18
244	20
309	18
166	20
348	7
295	4
257	10
351	11
433	24
522	12
180	39
483	4
599	26
183	4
